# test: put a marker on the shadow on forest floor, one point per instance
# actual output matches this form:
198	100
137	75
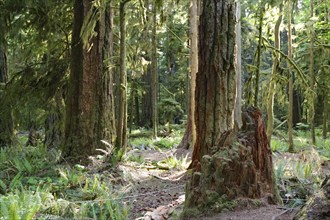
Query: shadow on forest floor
156	184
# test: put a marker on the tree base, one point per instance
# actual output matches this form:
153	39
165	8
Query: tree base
239	165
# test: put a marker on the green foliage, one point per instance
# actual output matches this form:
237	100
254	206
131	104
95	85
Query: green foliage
278	145
298	175
24	204
33	185
172	137
173	162
169	109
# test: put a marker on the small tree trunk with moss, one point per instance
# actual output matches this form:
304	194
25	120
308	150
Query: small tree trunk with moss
54	127
261	19
121	140
154	85
189	136
238	100
226	163
272	85
325	117
290	107
6	117
311	75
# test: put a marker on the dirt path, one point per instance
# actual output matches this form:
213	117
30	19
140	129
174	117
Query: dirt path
263	213
159	194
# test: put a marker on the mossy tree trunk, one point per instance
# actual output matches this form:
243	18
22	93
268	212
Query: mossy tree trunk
272	85
189	136
290	106
121	140
259	51
325	117
146	111
238	101
154	85
226	163
6	118
311	75
89	100
54	128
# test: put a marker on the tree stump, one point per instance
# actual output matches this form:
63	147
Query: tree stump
238	165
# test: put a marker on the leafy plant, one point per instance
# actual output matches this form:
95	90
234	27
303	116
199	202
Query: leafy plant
174	163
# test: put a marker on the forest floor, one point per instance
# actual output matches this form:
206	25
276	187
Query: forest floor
149	182
157	192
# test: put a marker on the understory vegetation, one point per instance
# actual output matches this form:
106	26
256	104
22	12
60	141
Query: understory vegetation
38	183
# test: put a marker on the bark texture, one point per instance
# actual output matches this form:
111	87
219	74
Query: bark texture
226	164
89	89
215	84
239	165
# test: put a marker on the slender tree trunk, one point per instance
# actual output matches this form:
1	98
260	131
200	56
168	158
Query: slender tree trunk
6	116
325	116
146	100
290	107
224	169
54	127
154	85
131	108
85	108
297	108
311	75
108	125
137	109
189	137
122	113
256	92
272	85
238	99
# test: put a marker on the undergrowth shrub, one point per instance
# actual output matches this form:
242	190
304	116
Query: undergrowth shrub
34	186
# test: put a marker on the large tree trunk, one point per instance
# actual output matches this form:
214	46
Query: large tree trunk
154	85
88	98
290	107
189	136
226	164
6	117
272	85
